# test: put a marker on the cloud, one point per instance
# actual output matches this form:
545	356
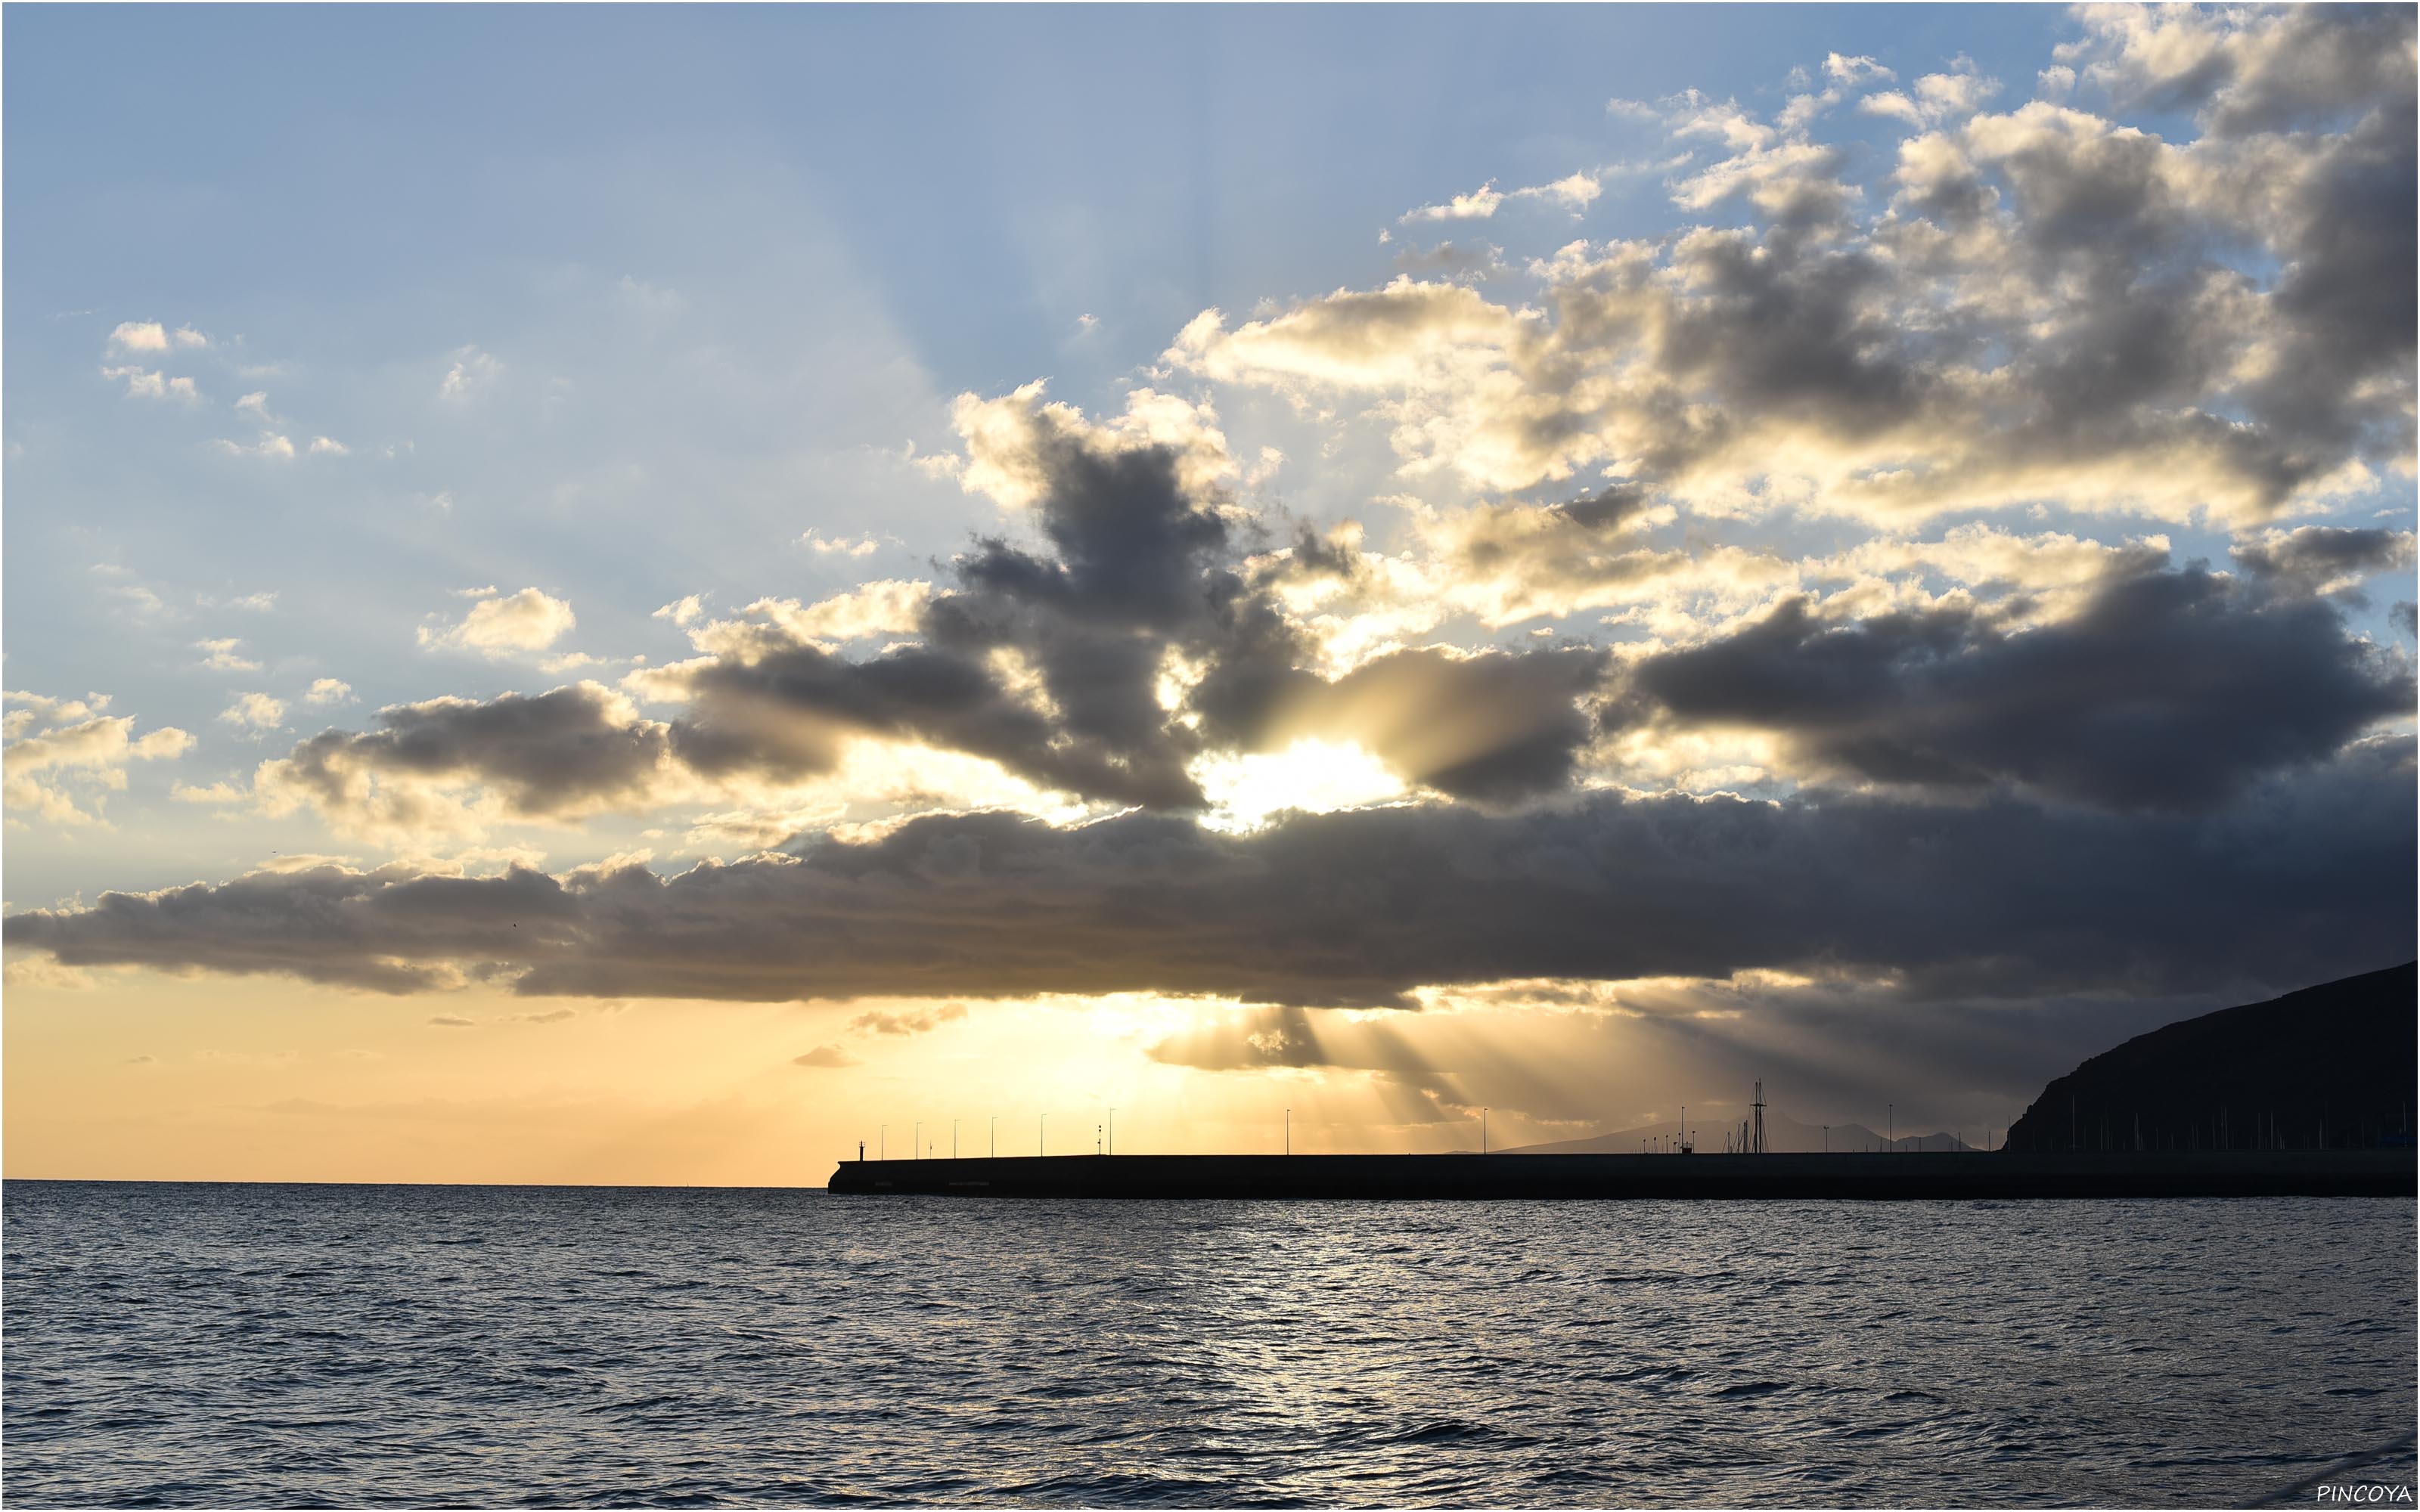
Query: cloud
2167	690
1478	205
1860	71
826	1056
60	751
448	1021
1491	727
254	711
1939	97
39	972
472	374
271	445
823	546
328	447
2042	304
221	657
329	690
2245	70
915	1021
682	610
2324	558
140	336
574	750
151	336
1575	191
500	626
143	384
1451	261
883	607
2308	874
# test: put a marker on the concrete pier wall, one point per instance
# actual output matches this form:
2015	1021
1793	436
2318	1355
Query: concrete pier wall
1858	1176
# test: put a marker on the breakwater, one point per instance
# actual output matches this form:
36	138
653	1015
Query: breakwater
1860	1177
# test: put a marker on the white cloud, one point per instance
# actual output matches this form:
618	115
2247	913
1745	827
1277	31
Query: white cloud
527	621
328	446
473	373
329	690
822	546
572	661
1939	97
270	444
681	610
1858	71
1574	192
54	743
1478	205
221	657
253	711
141	384
139	336
885	608
255	403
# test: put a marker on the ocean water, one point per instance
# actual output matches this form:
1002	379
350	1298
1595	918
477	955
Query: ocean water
206	1344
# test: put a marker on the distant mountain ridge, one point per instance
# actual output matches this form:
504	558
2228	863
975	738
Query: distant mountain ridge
2331	1064
1783	1135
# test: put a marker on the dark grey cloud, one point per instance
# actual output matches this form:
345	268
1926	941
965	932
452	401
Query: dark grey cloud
2169	690
565	751
2252	69
1311	554
2306	876
1497	727
1607	509
2324	557
785	714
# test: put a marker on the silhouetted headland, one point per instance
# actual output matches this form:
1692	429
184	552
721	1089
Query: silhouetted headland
2326	1068
2307	1095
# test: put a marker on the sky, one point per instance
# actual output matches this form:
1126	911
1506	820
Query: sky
642	594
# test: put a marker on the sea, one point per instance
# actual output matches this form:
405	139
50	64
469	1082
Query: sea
237	1346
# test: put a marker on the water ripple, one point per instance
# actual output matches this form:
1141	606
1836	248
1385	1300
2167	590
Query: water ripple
189	1345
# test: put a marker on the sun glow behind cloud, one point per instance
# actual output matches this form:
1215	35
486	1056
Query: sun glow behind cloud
1312	776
